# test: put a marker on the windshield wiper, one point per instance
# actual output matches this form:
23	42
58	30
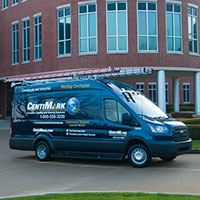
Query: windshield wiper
162	118
146	116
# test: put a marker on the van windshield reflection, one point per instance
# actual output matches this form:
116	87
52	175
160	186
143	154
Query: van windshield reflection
145	108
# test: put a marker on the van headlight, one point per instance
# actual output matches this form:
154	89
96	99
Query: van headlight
158	128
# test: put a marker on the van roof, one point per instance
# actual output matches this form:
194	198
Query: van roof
57	86
104	84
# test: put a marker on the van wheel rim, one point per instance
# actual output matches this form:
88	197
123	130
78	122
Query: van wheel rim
139	156
42	151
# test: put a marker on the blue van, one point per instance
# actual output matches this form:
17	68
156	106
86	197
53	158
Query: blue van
95	119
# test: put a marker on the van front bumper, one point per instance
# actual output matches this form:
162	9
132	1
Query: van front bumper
169	148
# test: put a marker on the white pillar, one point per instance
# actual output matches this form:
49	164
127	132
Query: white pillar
176	93
197	93
161	90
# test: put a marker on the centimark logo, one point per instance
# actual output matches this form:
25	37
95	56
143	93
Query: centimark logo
49	105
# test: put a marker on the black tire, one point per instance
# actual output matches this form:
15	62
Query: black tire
42	151
139	156
168	158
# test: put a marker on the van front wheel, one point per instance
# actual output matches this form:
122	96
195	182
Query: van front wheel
42	151
139	155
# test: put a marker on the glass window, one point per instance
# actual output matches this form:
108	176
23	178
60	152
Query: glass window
14	2
4	4
186	92
87	29
140	87
193	30
114	111
147	27
15	43
26	40
174	27
64	31
37	38
117	36
152	92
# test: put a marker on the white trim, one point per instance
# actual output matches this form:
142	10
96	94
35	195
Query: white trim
13	64
23	1
194	54
14	4
37	15
148	51
138	1
4	8
26	62
37	60
15	22
175	52
87	2
64	55
193	5
174	2
87	53
107	1
25	19
63	6
117	52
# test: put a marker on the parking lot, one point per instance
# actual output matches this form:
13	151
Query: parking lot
22	174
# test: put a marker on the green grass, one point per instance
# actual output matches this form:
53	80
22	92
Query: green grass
196	144
110	196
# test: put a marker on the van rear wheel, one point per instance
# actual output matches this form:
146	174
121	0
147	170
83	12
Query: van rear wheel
139	155
42	151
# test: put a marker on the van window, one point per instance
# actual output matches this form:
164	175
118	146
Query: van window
114	111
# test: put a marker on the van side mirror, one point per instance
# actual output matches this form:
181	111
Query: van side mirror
126	119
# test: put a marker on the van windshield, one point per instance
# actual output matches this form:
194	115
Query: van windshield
138	102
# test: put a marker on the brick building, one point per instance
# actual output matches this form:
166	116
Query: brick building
38	37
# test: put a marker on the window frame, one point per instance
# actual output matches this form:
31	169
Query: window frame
58	31
14	2
88	52
4	4
26	39
38	36
152	90
15	39
147	26
117	105
117	51
173	3
192	29
138	87
188	93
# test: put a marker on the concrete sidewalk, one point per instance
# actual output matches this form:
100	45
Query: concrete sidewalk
5	124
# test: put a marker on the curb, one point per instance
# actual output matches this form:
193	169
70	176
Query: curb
195	151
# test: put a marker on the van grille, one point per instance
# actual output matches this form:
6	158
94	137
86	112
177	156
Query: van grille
180	133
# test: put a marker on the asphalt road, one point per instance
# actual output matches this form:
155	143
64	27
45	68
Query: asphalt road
22	174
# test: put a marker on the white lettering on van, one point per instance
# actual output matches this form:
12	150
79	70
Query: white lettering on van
49	105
